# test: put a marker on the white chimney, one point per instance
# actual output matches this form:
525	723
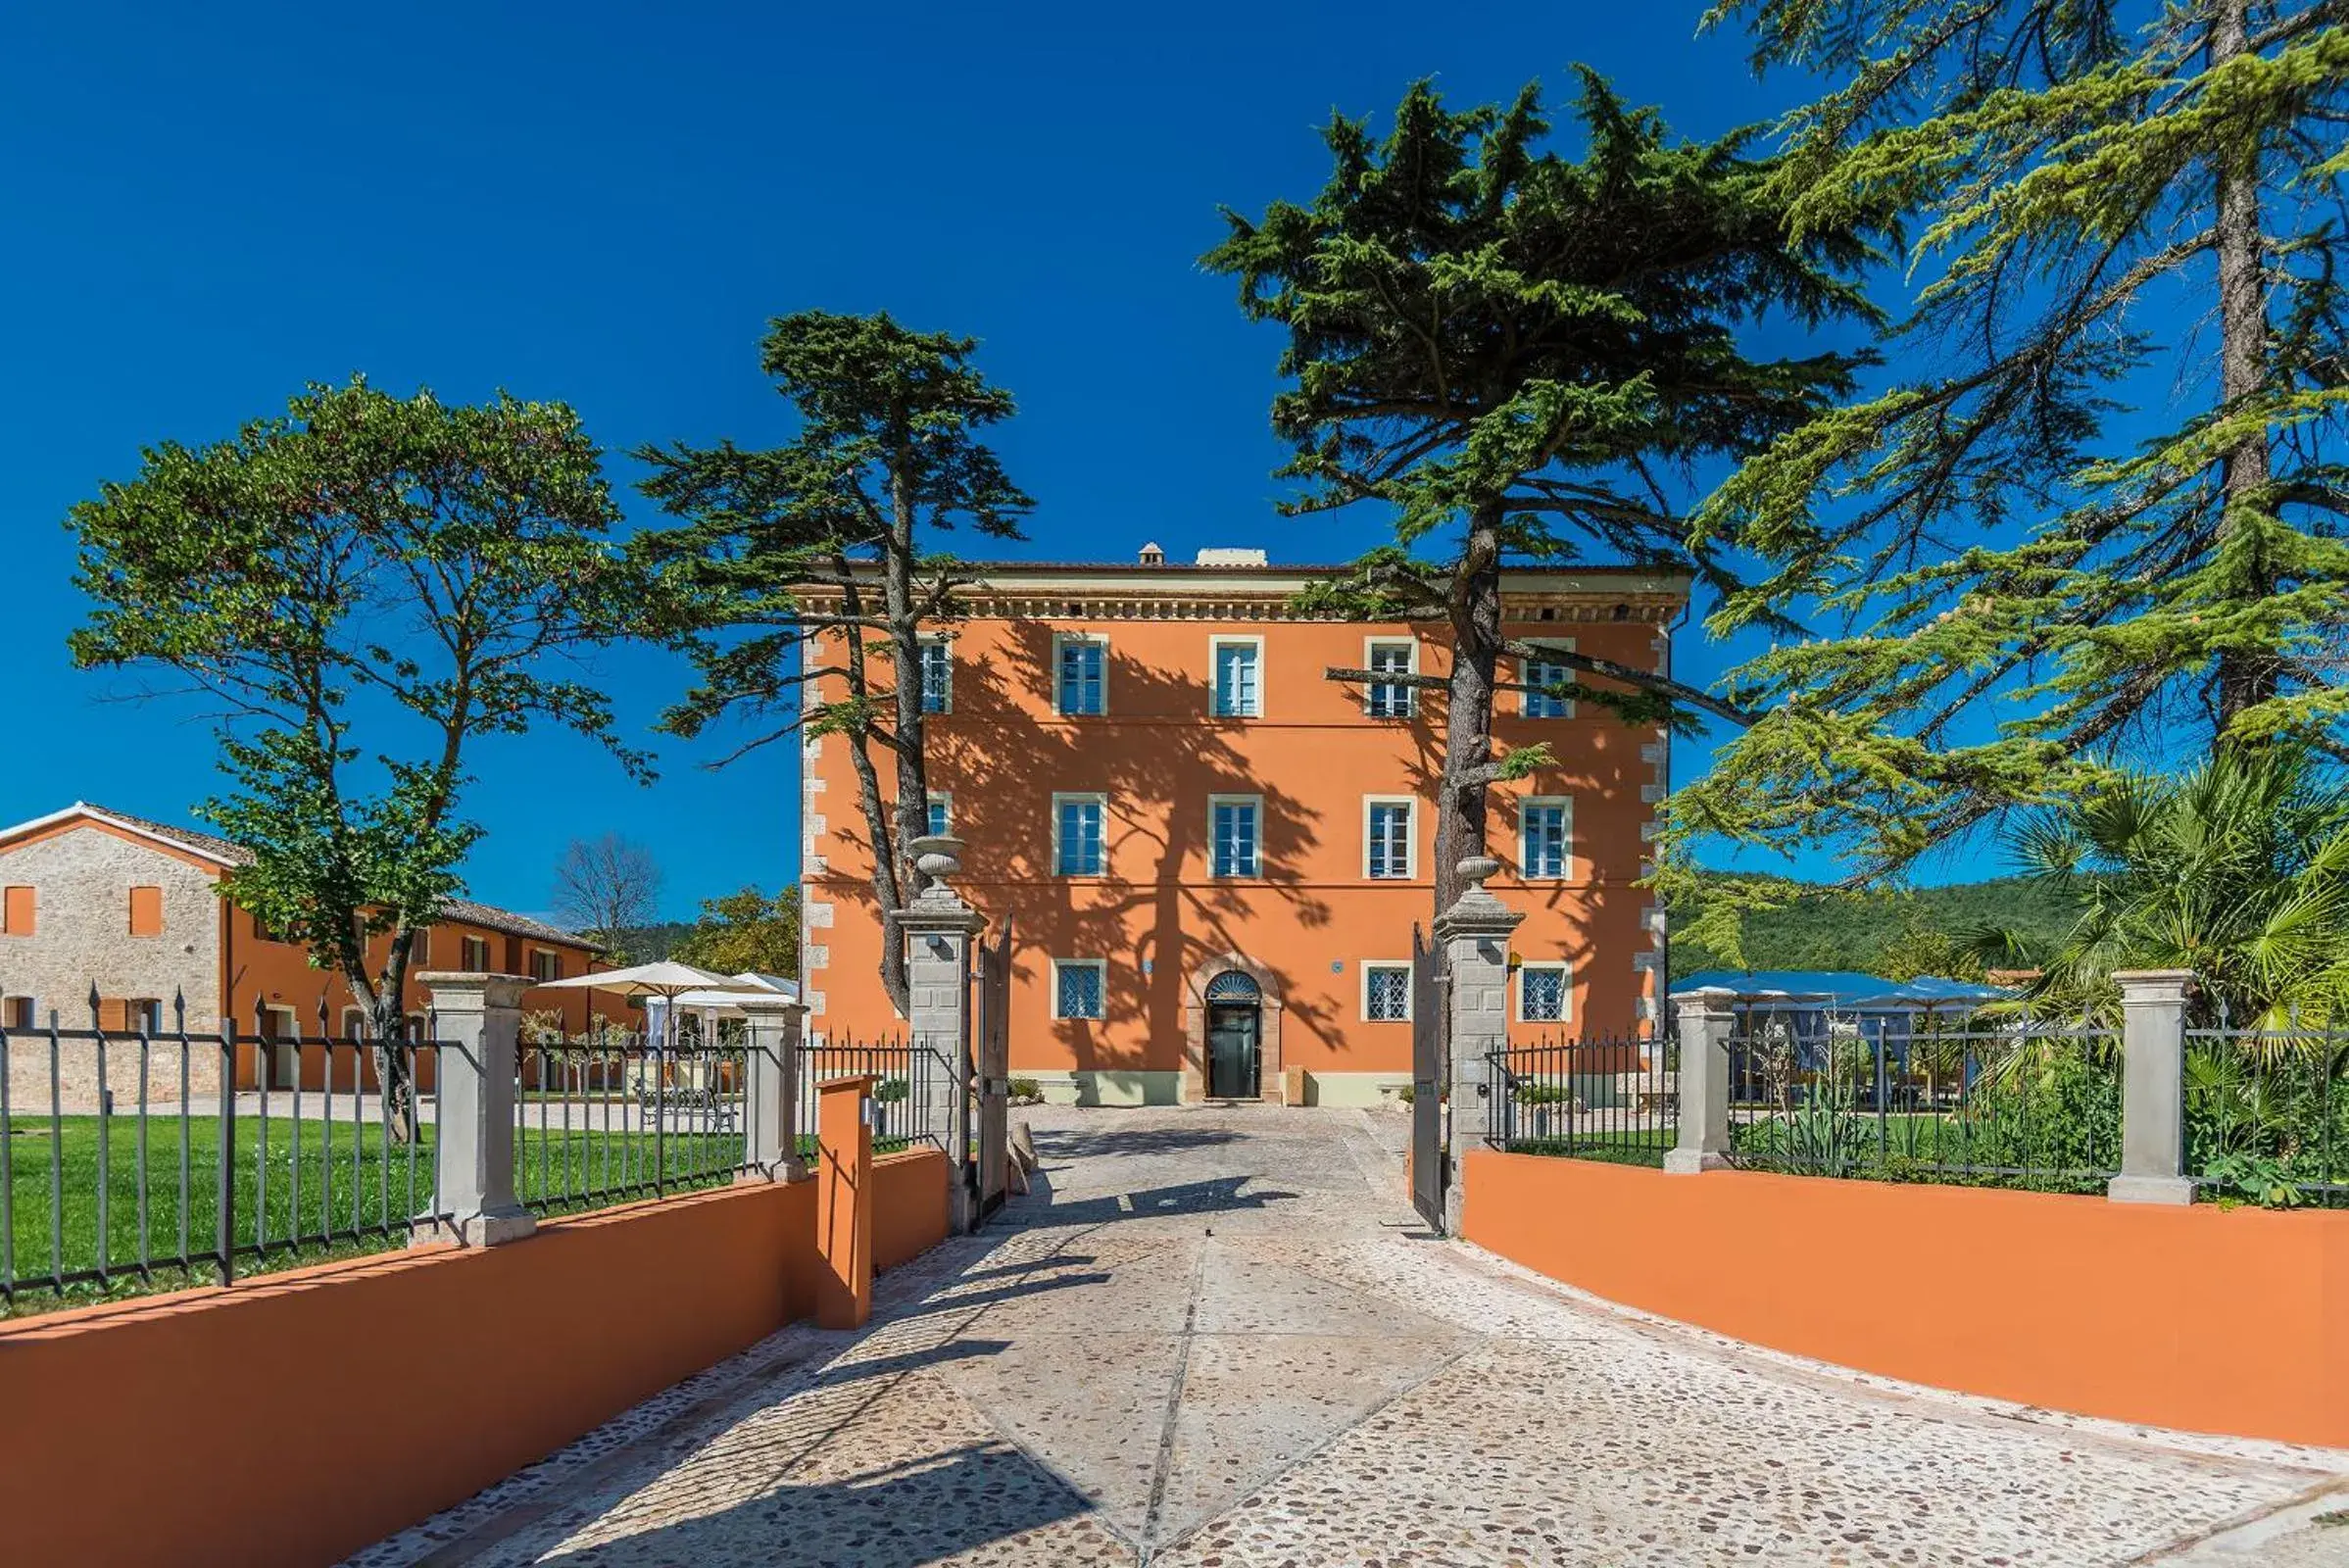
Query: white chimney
1153	556
1231	558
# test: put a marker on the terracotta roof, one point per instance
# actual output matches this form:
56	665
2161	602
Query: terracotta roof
213	847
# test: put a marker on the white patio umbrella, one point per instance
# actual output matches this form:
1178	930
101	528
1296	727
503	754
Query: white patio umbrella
666	979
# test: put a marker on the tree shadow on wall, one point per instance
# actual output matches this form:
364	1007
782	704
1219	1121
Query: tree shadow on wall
1158	760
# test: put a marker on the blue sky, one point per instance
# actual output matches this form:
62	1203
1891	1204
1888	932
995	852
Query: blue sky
208	207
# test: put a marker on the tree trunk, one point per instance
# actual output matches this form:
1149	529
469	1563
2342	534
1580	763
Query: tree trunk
905	647
2245	676
1475	613
880	824
388	1026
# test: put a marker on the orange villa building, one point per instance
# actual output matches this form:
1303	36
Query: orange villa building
1212	857
99	901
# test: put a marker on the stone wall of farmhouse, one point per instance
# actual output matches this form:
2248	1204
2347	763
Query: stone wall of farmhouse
81	938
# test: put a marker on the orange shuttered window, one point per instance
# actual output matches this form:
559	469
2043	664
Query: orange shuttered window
16	911
146	912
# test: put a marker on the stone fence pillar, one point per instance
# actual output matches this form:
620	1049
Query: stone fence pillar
1706	1018
1474	936
777	1026
938	930
479	1018
2153	1044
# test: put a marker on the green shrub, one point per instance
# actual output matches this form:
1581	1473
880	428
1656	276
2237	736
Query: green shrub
2256	1128
1026	1089
2052	1108
1823	1136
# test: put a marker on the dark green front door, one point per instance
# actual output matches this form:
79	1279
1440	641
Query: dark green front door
1232	1052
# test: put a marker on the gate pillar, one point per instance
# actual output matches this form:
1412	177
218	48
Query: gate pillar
771	1088
1473	936
1706	1020
938	930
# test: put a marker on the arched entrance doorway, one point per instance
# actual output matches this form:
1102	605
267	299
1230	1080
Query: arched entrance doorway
1232	1016
1235	1037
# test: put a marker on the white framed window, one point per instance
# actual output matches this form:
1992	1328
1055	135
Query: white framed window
1235	835
545	964
1239	665
1541	673
1545	991
1080	673
1386	991
1385	656
1077	987
354	1023
941	813
1078	843
937	675
1545	837
1387	838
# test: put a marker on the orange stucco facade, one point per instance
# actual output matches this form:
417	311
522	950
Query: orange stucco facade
1312	759
129	911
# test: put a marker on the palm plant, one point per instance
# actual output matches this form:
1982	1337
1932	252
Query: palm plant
2237	870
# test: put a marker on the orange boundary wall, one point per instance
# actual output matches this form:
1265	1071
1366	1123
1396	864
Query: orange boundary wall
909	1210
294	1418
2196	1319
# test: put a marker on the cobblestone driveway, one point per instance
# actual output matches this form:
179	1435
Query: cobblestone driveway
1218	1340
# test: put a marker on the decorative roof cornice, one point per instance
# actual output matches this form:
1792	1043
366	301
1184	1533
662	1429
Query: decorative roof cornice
1026	591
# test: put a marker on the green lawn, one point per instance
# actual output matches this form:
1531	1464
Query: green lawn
340	1184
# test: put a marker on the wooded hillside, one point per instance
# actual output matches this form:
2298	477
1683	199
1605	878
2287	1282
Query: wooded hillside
1898	935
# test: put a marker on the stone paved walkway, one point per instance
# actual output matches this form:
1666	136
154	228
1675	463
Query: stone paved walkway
1218	1339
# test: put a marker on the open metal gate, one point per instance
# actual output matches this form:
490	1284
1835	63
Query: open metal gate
991	1040
1431	1020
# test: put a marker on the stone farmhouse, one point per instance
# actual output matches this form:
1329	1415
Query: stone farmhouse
1212	857
93	898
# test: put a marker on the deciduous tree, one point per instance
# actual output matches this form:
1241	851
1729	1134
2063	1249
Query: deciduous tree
365	589
1517	354
607	887
744	931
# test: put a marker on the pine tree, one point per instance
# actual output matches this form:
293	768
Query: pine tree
887	452
1517	354
2100	515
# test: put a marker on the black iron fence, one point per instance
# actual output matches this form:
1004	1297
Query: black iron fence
1973	1099
619	1118
910	1087
137	1152
1607	1099
2267	1115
